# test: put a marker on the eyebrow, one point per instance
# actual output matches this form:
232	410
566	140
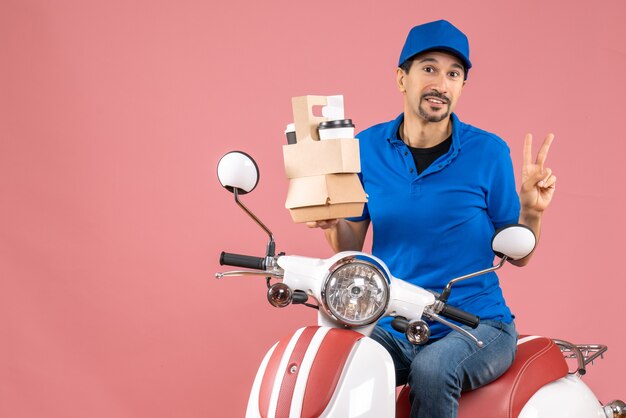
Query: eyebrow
428	59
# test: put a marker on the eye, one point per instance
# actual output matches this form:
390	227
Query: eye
454	74
429	69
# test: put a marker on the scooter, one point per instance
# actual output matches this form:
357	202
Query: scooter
335	370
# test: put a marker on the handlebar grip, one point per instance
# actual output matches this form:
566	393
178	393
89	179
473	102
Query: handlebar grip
400	324
240	260
460	316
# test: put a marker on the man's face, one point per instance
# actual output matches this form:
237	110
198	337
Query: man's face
433	85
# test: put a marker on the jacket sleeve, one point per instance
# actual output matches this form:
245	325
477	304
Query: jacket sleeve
503	204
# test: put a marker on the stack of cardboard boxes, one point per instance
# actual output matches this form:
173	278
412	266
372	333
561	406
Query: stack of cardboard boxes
323	183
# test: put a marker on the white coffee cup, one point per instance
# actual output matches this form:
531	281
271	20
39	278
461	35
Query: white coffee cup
290	133
336	129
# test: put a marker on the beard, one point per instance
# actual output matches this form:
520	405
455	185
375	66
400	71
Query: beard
430	117
433	117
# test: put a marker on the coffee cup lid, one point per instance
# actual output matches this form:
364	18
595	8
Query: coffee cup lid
333	124
290	128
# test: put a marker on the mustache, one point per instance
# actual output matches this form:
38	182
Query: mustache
437	95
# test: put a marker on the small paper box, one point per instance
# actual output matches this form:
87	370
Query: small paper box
312	158
328	196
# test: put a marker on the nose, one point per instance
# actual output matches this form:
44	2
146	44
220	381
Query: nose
440	83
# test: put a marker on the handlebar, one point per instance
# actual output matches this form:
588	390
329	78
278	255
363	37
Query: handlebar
400	323
240	260
460	316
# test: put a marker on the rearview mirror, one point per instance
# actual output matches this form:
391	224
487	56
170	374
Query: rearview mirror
514	241
511	242
237	170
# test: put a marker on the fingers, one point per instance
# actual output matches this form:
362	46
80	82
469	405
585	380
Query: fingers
549	183
539	179
528	150
547	179
325	224
543	151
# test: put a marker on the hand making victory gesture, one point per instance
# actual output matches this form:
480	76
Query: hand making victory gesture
537	188
538	182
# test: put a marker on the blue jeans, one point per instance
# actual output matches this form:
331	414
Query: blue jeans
438	371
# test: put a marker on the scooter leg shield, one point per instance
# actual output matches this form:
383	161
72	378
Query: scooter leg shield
324	372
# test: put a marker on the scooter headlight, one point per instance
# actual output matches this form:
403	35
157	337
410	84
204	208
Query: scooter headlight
356	291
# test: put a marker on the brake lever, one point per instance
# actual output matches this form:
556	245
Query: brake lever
262	273
434	317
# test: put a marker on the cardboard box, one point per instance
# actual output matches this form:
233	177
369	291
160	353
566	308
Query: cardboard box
313	158
327	196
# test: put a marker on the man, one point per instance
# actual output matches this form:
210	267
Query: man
438	189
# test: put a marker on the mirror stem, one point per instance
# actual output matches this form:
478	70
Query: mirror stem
271	247
446	291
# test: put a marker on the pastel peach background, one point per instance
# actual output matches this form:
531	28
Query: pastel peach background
113	115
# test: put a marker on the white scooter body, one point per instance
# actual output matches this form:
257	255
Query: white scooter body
567	397
366	386
306	274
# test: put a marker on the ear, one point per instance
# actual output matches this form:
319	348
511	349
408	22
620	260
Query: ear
401	79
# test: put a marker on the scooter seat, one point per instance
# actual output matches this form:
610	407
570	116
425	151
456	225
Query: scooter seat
538	362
